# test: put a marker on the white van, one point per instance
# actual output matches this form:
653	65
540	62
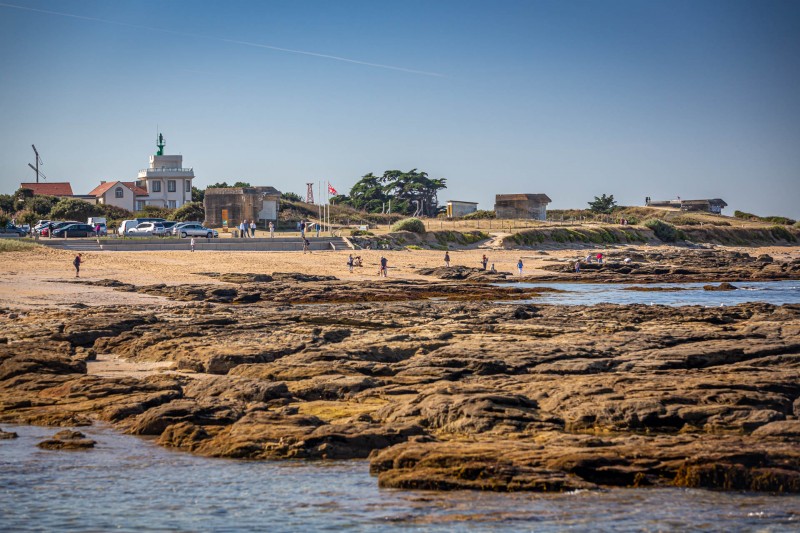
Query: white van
127	225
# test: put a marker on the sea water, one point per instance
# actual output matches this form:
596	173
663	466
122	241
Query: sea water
129	483
773	292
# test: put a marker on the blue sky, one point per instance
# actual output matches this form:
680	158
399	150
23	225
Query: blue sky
694	99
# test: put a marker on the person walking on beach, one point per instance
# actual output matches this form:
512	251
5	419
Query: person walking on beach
519	267
271	230
191	244
384	266
77	263
306	245
447	259
484	261
253	228
350	263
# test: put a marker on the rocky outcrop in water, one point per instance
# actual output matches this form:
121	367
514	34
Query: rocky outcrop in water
67	440
438	394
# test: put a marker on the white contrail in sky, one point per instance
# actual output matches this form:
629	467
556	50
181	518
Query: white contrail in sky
224	40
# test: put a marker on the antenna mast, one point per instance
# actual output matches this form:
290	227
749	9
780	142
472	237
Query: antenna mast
310	193
38	162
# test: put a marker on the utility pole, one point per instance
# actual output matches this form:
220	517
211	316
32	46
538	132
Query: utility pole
38	160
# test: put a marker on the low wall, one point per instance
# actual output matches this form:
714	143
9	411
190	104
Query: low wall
231	245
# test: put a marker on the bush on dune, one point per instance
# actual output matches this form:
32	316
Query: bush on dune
665	231
413	225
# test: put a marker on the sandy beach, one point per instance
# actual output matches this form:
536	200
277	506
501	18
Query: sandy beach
35	278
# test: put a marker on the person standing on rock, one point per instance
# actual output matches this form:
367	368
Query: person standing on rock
253	228
519	267
447	259
600	258
77	263
271	230
484	261
578	266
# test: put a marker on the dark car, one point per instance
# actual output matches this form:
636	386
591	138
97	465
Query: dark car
56	224
168	225
11	228
74	230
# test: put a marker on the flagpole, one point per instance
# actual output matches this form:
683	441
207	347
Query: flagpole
328	205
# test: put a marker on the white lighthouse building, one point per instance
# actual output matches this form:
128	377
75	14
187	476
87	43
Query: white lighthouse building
167	183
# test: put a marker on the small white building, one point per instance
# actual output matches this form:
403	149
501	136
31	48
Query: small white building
457	208
167	183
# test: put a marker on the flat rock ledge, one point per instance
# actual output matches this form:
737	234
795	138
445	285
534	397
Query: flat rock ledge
436	394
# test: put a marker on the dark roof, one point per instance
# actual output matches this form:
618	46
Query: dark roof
213	191
57	188
709	201
540	198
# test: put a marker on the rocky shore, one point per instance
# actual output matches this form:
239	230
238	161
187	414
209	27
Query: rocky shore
436	383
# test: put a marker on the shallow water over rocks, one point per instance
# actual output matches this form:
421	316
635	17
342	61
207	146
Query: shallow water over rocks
130	484
673	294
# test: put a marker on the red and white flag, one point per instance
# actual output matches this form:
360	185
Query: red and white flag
331	189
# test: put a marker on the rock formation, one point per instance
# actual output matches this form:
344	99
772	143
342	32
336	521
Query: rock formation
437	393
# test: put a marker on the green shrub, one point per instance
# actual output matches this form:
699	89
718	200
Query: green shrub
360	233
745	216
480	214
413	225
154	211
664	230
779	220
74	209
413	247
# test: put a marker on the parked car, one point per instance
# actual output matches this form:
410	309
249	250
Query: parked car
11	228
147	229
39	225
169	224
127	225
196	230
54	225
175	229
74	230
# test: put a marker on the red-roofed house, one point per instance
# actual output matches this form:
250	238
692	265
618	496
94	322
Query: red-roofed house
56	188
122	194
